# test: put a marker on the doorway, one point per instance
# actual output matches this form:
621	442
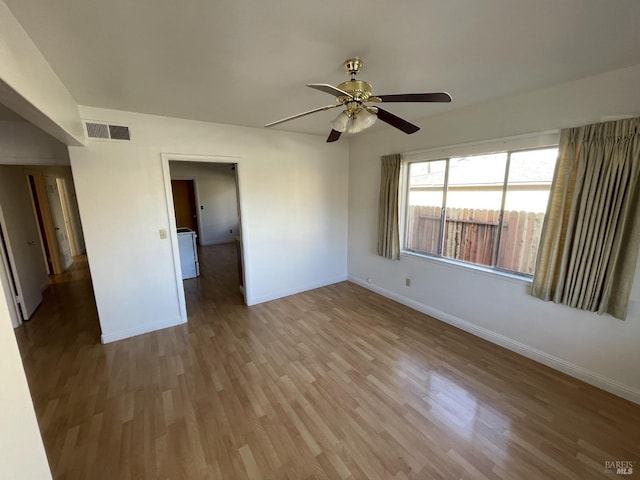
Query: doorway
184	204
214	210
51	204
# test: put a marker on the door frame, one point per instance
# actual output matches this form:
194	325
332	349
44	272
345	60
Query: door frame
173	234
8	283
57	217
65	203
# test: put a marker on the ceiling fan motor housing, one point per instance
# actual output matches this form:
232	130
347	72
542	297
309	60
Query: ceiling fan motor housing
358	89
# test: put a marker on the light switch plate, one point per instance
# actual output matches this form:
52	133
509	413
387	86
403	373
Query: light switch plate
163	234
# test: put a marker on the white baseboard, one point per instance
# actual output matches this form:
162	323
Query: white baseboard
293	291
576	371
139	330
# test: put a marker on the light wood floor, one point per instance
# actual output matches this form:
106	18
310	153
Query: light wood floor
336	383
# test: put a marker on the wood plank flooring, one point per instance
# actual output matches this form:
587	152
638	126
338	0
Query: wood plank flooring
335	383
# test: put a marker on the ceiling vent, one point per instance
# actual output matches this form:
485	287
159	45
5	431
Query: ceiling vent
108	132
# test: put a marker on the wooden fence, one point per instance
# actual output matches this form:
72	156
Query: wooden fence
472	235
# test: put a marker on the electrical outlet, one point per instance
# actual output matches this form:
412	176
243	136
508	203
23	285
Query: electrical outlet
407	282
369	280
230	231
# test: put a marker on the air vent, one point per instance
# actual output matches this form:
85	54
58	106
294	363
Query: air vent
118	132
97	130
108	132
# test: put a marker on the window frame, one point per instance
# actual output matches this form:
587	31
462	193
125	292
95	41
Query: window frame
526	143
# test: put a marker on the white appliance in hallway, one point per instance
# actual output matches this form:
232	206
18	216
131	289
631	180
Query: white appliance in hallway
188	253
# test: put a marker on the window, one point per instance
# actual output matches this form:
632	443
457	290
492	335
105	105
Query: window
482	209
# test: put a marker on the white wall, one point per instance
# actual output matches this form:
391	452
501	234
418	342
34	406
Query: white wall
29	85
599	349
22	455
293	193
22	143
216	198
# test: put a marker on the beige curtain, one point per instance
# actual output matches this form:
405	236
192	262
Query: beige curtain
388	235
591	235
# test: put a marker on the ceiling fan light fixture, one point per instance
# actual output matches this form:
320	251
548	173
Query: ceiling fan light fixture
339	124
361	121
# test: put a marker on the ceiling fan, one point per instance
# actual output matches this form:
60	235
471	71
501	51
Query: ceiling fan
357	115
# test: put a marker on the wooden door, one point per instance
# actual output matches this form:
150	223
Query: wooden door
20	240
184	204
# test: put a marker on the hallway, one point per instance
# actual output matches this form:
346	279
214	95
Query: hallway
67	317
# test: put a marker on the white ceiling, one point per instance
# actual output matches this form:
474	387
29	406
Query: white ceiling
245	62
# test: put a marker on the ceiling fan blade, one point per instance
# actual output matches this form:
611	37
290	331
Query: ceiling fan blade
330	89
396	121
334	135
319	109
416	97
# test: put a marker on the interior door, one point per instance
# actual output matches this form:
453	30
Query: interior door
22	243
184	204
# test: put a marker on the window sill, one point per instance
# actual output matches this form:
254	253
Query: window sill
469	267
